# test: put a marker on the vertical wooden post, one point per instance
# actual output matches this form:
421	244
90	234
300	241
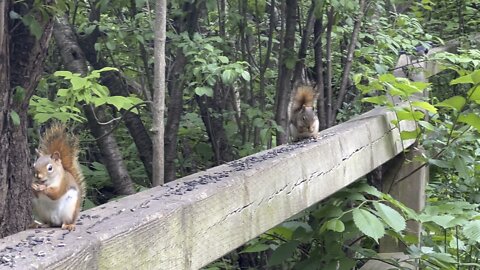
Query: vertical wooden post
406	183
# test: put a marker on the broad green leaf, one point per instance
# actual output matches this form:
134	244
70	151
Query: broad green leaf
62	92
246	75
472	230
255	248
476	76
461	167
283	252
117	101
78	83
228	76
474	93
443	220
387	78
380	100
63	73
444	257
456	103
426	125
204	90
368	223
223	59
406	114
470	119
357	77
335	225
409	135
464	79
425	105
390	216
15	118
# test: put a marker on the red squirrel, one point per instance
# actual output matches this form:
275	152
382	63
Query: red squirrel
58	185
303	117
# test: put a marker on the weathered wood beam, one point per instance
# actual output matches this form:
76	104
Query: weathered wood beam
192	221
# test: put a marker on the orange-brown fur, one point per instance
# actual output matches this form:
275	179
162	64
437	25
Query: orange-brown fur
60	151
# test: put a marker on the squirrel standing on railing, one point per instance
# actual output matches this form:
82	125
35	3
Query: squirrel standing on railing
58	185
303	117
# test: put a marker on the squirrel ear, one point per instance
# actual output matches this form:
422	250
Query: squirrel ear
55	155
38	152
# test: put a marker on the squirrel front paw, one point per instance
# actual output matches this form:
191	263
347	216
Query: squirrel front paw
38	187
70	227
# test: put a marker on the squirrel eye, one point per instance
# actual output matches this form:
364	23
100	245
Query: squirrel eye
50	167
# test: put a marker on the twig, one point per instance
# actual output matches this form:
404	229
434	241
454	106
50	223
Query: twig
115	119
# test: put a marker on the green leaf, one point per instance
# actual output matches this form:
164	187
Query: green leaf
246	75
14	15
204	90
409	135
78	82
464	79
223	59
474	93
117	101
258	247
283	252
368	223
461	167
456	103
63	73
15	118
390	216
443	220
470	119
357	77
62	92
380	100
389	78
476	76
228	76
426	125
335	225
472	230
425	105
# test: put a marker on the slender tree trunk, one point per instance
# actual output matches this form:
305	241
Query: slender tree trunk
302	51
22	56
348	63
118	86
285	71
214	125
175	87
322	117
158	105
74	60
329	72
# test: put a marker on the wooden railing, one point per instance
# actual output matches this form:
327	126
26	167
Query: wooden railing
194	220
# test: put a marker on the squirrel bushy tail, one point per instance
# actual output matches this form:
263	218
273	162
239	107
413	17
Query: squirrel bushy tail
56	139
304	96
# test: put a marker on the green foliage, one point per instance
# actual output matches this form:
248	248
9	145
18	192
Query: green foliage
208	64
81	90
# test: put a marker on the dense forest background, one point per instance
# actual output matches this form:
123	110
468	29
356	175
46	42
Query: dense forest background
230	69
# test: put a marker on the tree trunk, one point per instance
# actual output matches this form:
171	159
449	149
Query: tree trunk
22	56
285	71
74	60
223	151
187	23
158	105
318	31
118	86
302	51
348	62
